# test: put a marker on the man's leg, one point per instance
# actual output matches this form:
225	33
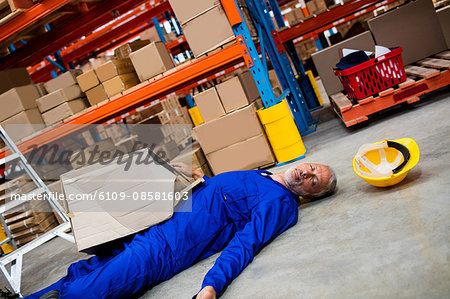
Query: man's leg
77	270
145	262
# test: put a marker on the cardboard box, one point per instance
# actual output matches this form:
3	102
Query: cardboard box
316	7
273	78
14	78
443	15
414	27
96	222
114	68
232	128
245	155
294	16
120	83
151	60
88	80
186	10
96	95
125	50
41	89
250	88
23	124
209	104
326	59
208	31
232	94
63	111
58	97
16	100
150	34
193	156
63	80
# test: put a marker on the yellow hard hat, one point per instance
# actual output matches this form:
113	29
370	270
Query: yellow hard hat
386	163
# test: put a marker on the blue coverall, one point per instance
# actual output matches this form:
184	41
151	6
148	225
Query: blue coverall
237	212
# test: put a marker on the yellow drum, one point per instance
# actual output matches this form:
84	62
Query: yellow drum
282	132
5	247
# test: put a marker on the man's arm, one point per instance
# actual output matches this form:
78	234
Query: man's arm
268	221
195	173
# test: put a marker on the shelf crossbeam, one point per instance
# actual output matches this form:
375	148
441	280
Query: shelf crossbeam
29	17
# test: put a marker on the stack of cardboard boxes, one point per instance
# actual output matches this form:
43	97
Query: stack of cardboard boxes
204	23
108	80
30	220
306	48
169	126
125	50
316	7
231	136
19	113
194	156
295	15
63	100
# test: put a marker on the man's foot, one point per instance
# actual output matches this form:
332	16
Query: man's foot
53	294
7	294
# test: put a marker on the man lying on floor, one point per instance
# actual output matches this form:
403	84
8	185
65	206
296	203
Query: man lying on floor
237	212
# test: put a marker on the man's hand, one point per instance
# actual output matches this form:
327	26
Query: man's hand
183	168
207	292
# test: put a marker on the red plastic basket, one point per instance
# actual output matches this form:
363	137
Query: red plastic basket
373	76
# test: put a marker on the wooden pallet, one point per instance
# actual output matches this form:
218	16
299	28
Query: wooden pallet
430	74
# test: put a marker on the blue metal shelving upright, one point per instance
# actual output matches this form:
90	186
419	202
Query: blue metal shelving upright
276	52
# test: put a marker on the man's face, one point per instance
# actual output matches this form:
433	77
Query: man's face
307	178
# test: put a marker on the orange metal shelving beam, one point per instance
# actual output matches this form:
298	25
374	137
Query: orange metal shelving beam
30	16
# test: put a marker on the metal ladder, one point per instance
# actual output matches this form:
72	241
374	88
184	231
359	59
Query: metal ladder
15	258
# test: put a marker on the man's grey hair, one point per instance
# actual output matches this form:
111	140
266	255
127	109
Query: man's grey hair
331	187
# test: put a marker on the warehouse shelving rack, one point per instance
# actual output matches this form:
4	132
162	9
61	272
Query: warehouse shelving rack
184	77
15	258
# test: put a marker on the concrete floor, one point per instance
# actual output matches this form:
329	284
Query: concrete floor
363	242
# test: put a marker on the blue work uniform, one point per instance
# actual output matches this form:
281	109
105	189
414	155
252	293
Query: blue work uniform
237	212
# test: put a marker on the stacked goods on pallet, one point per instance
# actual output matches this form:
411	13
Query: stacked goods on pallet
96	62
295	15
150	34
30	220
151	60
108	80
204	23
231	136
19	94
125	50
194	156
116	76
168	131
404	26
62	103
306	48
316	7
275	83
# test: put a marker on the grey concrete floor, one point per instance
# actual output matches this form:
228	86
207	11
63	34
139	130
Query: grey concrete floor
363	242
